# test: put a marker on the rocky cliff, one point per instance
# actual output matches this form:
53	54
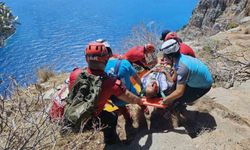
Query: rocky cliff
219	31
212	16
7	23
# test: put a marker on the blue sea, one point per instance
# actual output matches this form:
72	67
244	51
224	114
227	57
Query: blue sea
53	33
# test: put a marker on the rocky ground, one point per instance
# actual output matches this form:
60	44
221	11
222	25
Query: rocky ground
221	121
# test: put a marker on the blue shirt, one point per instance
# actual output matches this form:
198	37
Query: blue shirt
193	72
126	70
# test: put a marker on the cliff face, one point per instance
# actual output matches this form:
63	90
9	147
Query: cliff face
7	23
219	31
212	16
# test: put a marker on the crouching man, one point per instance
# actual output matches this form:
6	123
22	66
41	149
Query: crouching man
90	89
193	77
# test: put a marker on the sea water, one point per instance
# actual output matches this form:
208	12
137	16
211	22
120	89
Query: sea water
53	33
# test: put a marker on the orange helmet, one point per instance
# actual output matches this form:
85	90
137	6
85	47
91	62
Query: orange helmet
149	48
96	51
171	35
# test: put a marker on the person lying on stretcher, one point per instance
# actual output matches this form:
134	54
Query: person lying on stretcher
158	82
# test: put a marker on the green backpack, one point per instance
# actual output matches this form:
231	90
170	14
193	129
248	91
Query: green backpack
82	99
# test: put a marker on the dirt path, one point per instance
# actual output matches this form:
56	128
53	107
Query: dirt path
221	120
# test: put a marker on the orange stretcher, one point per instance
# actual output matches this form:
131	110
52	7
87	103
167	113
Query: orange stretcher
156	102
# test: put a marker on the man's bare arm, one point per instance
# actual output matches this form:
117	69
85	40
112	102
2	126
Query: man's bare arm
129	97
180	89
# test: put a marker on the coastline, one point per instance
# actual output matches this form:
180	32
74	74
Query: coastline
7	24
5	38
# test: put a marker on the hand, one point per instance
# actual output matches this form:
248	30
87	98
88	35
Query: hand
166	102
140	102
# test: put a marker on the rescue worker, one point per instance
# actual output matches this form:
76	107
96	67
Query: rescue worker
193	77
97	56
123	70
184	48
142	55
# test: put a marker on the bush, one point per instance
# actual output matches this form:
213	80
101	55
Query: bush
44	74
24	124
232	25
141	35
207	48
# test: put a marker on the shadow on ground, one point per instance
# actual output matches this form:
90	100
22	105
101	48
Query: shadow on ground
196	124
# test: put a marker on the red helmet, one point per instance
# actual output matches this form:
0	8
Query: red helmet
149	48
96	51
171	35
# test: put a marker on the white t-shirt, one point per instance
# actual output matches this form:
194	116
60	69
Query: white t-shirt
160	78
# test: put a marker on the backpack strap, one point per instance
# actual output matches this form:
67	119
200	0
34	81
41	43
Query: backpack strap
117	66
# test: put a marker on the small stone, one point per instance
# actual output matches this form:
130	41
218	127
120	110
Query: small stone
246	19
228	85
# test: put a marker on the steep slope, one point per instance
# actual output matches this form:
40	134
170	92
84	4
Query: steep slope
213	16
227	54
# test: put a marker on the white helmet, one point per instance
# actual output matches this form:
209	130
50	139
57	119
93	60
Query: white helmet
170	46
106	44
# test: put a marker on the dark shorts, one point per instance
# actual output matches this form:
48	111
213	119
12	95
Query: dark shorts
192	94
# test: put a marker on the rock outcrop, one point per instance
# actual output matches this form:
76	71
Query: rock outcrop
228	55
7	23
213	16
219	31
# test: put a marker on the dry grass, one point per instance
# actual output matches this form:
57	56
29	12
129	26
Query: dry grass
141	35
24	124
224	69
44	74
231	25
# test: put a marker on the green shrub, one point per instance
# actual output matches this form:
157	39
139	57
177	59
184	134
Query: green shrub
232	25
207	48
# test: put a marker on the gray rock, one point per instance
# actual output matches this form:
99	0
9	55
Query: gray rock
237	29
212	16
245	19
